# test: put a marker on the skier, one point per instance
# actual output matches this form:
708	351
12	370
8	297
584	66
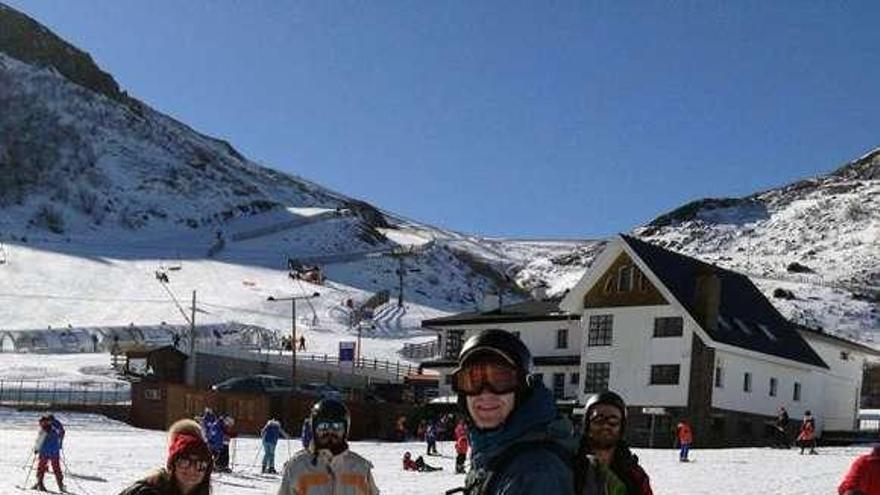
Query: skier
863	477
461	450
431	439
807	436
417	465
328	466
519	443
227	424
781	425
306	433
270	434
213	428
685	439
187	469
48	446
605	463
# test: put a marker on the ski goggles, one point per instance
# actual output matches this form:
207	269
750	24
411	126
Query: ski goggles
498	378
330	427
198	465
601	419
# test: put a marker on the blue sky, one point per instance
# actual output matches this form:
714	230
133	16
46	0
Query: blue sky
522	119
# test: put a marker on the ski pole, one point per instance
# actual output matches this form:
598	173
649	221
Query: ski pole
30	469
254	462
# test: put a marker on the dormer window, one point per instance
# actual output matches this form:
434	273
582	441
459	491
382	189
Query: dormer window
624	278
609	284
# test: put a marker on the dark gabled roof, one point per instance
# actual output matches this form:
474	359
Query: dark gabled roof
742	305
547	310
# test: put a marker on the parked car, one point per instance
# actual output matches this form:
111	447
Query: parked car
321	390
265	384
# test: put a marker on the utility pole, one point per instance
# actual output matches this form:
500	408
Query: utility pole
293	343
191	363
400	254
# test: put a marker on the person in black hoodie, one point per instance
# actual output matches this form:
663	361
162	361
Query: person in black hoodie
605	464
520	445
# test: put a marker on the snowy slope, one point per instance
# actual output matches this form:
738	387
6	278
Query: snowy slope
828	225
107	456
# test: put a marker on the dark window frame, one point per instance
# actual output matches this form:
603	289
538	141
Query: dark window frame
664	326
596	377
747	382
665	374
454	343
562	338
600	330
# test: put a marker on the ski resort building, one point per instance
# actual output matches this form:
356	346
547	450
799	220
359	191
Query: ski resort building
679	338
553	336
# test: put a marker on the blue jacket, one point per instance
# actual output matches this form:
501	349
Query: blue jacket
214	434
51	444
542	467
271	432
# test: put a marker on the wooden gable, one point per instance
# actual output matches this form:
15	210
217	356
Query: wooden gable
623	284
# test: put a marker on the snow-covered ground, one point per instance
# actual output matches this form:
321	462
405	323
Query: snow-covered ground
106	455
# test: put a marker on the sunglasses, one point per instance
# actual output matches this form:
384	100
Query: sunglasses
330	427
196	464
601	419
497	378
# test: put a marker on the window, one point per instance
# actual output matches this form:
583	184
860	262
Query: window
767	332
844	355
558	385
562	338
574	379
747	382
644	284
539	377
796	394
448	379
743	326
664	374
668	327
719	376
600	330
773	384
609	284
454	341
596	377
624	278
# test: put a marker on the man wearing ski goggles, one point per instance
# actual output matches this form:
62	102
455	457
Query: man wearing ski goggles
488	382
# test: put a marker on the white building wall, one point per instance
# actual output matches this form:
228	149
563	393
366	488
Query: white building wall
538	336
634	349
731	396
842	391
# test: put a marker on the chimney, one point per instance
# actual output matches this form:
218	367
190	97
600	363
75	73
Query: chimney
707	298
491	302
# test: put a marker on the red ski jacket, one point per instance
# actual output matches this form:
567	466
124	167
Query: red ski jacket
863	475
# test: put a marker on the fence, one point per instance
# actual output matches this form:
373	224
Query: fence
375	368
35	393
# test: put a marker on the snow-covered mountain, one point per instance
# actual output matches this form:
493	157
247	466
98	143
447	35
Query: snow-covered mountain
99	193
813	246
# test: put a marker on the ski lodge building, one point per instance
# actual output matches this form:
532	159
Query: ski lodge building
678	338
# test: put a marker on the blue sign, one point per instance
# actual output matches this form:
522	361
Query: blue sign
346	351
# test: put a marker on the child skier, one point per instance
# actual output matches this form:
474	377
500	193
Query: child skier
807	436
685	439
48	446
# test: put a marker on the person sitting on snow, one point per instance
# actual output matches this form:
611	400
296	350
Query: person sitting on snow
417	465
